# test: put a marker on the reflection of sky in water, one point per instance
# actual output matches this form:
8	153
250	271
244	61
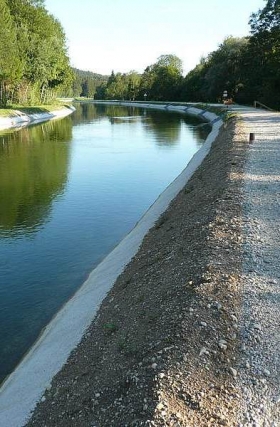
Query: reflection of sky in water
70	190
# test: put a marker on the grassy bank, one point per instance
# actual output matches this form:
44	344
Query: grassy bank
13	110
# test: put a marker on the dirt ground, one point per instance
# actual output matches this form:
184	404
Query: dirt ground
164	347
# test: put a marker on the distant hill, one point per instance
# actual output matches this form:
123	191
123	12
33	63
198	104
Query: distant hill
88	84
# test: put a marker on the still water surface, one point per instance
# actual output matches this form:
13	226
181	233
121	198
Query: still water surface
70	190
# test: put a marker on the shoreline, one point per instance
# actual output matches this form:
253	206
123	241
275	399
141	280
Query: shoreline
25	386
20	119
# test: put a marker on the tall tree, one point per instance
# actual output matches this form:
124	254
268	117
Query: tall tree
42	50
162	80
266	19
264	51
10	65
133	79
193	86
117	87
171	61
224	69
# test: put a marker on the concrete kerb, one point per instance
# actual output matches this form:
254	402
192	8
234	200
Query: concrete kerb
27	384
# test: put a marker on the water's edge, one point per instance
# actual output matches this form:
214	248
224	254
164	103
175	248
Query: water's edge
26	385
20	119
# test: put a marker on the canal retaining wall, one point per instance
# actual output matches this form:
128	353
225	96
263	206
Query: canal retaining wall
19	119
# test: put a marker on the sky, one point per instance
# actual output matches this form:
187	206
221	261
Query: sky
125	35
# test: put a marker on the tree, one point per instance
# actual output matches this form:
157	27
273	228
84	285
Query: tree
117	87
248	68
122	86
264	51
224	69
146	83
10	65
41	50
266	19
133	82
87	83
193	86
167	84
163	79
171	61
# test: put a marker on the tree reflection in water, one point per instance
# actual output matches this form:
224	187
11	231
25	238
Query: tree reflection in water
33	171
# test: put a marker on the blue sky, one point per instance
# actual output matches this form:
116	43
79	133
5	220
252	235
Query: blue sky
124	35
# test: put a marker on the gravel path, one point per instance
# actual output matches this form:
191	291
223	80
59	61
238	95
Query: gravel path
260	375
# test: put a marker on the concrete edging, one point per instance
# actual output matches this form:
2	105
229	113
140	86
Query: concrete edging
26	385
21	119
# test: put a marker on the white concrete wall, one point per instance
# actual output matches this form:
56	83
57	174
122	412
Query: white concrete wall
19	119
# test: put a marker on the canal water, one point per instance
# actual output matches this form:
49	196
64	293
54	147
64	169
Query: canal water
70	190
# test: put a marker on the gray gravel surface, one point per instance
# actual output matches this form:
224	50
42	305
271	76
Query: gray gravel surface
260	364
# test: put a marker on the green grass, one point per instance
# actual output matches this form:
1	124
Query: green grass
10	111
110	328
126	347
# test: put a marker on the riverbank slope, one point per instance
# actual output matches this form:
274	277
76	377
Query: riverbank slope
25	116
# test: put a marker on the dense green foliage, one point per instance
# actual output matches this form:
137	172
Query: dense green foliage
123	86
220	71
87	84
160	81
248	68
263	73
34	66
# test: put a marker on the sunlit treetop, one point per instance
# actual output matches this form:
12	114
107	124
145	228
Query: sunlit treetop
267	18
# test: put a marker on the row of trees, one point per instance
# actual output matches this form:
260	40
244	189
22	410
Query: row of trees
247	68
87	84
160	81
34	66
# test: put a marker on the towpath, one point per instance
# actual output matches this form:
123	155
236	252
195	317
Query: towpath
260	319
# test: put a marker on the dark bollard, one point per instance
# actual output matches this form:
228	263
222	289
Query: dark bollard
251	138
